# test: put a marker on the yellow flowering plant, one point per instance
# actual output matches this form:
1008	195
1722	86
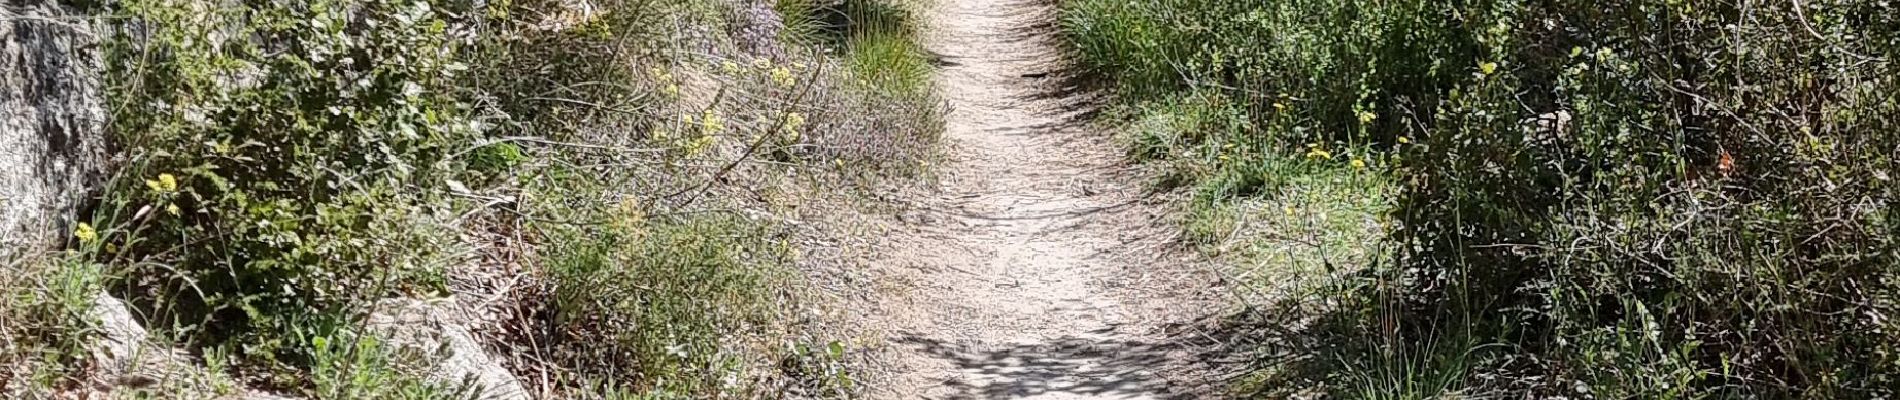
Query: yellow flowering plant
164	185
783	77
710	122
85	233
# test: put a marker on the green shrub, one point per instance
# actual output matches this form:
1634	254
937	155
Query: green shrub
282	160
284	164
1680	232
1641	199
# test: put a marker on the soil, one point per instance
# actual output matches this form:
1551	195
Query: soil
1041	266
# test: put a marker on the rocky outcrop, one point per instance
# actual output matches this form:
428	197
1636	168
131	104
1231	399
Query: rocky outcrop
436	333
52	120
128	363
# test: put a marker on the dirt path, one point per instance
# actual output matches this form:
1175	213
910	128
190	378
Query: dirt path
1039	268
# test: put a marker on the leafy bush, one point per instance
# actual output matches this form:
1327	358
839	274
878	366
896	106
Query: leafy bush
1645	199
282	159
1689	233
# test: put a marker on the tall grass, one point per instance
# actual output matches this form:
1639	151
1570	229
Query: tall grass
878	39
44	299
891	62
1639	199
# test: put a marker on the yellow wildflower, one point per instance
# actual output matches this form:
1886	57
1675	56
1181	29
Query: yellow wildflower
792	122
711	122
173	209
795	119
699	145
1405	140
1366	117
1358	163
783	77
671	90
85	233
730	67
165	184
1318	154
1289	210
1488	68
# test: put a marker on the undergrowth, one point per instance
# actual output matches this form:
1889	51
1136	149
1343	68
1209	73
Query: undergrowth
1636	199
277	182
284	166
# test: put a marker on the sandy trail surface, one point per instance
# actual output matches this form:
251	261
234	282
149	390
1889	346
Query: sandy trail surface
1039	267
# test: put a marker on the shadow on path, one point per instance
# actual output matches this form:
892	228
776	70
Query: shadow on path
1060	368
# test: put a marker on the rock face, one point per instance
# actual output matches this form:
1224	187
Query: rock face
126	356
128	363
434	331
52	120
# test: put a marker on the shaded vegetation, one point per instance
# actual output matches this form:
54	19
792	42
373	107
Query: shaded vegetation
1638	199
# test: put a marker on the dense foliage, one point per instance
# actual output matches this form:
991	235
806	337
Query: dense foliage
284	167
1649	199
281	158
